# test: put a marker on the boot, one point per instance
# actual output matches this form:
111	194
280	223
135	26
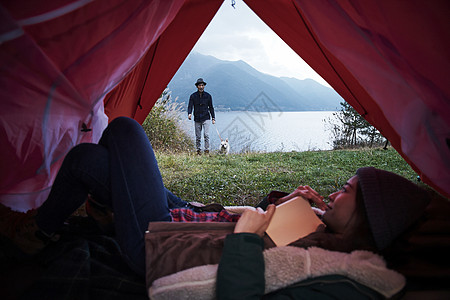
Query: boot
101	214
22	231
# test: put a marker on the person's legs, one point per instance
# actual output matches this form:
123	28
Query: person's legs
137	191
174	201
198	135
121	172
206	134
85	169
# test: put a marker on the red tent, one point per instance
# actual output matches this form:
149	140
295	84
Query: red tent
69	65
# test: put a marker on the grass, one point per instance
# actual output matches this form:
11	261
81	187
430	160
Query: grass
244	179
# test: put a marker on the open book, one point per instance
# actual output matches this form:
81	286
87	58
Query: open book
292	220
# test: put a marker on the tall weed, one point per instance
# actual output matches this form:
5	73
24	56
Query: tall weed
164	128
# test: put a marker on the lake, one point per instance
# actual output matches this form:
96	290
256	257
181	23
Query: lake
269	131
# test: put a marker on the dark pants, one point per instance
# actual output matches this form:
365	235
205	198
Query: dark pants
122	172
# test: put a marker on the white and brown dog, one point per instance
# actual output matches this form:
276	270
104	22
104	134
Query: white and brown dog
224	147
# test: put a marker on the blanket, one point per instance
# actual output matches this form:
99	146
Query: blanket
83	264
285	266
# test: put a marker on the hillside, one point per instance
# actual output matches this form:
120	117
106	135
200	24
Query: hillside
235	85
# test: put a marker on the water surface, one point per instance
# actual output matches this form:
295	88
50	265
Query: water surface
269	131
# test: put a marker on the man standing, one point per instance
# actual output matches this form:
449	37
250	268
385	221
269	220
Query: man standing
201	101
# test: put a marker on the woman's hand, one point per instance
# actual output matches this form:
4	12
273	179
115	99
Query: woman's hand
308	193
255	220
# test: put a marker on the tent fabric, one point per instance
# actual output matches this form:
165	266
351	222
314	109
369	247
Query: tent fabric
68	65
59	61
138	92
390	60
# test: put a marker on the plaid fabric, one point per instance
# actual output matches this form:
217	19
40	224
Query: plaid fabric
84	265
79	266
188	215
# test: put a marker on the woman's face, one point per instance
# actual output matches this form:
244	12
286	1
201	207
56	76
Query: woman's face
341	207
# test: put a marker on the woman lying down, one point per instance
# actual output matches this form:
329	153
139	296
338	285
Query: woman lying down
337	261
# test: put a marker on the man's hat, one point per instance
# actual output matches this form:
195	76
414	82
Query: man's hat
200	80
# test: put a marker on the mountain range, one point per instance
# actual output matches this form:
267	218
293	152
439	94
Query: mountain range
235	85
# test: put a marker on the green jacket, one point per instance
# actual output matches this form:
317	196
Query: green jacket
241	276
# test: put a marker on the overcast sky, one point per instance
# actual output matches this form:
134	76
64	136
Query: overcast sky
239	34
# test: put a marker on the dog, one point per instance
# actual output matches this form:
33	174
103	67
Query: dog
224	147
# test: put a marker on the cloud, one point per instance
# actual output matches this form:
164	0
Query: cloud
239	34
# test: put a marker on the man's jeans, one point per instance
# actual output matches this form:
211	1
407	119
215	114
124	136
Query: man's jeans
198	134
122	172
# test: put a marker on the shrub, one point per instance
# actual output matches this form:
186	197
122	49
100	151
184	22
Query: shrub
164	128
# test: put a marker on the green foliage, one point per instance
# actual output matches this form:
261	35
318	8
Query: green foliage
350	130
163	126
244	179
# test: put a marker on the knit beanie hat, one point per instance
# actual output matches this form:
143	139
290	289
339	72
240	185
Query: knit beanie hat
392	203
